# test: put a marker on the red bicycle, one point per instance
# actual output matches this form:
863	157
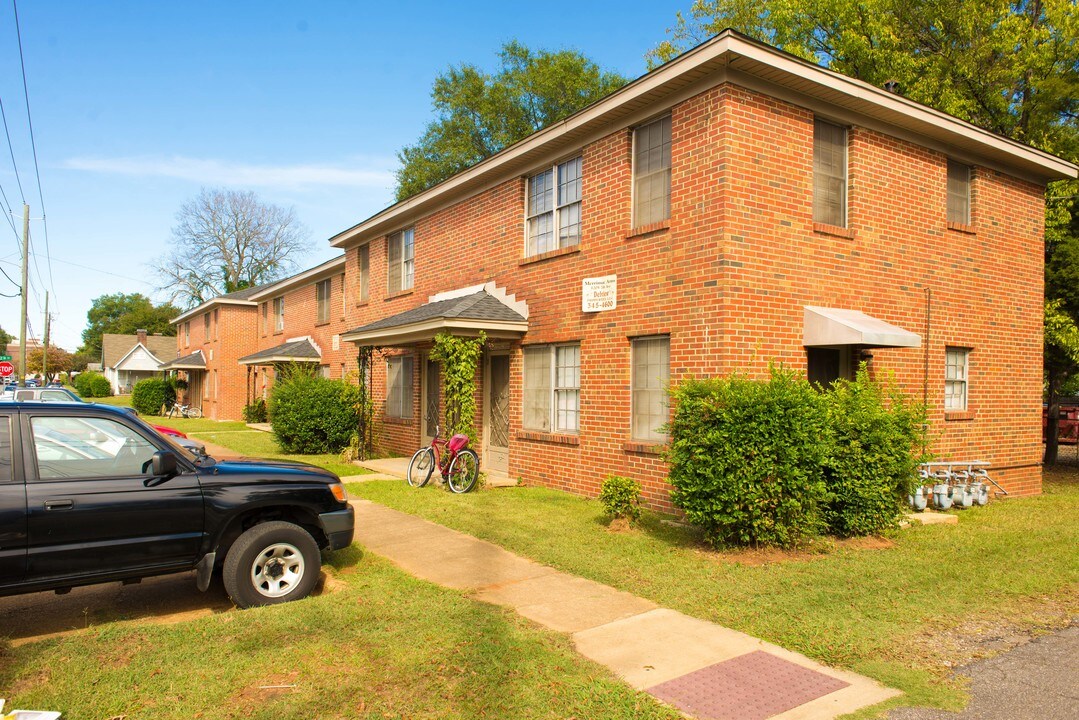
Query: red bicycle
459	467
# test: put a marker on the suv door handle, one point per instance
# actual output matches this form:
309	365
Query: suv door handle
59	504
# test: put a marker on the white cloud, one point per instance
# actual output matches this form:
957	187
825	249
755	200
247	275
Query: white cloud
373	174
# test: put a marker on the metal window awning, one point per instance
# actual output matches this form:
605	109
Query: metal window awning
829	327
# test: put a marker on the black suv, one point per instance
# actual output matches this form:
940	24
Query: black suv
90	494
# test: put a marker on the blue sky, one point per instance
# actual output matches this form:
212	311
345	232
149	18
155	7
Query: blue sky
137	105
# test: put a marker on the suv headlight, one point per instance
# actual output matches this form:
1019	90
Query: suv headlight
339	492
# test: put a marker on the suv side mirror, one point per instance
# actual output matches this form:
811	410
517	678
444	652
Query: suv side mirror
164	464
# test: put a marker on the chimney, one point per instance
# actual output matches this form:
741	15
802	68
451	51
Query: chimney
892	86
141	334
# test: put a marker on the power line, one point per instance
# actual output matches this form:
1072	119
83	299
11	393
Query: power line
8	212
87	267
11	149
33	147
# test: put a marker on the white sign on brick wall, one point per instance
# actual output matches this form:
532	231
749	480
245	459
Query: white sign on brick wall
336	342
599	293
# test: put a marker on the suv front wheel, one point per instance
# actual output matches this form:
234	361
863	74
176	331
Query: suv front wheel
272	562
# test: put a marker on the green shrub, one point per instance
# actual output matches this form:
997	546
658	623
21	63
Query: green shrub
621	497
747	458
877	437
92	384
312	414
150	395
255	412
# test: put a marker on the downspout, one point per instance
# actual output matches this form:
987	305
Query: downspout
925	364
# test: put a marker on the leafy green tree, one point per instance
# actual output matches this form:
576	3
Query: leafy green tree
124	314
5	339
59	362
480	113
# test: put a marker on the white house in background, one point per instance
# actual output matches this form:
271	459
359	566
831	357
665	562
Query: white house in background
126	359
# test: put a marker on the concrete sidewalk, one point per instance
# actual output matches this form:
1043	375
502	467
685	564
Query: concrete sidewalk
704	670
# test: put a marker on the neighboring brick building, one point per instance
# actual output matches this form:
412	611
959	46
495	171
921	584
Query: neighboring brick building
735	207
210	339
300	319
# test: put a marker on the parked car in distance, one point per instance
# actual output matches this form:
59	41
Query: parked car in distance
195	446
91	494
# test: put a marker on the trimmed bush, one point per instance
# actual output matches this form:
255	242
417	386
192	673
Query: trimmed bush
92	385
621	497
150	395
747	458
877	435
314	415
255	412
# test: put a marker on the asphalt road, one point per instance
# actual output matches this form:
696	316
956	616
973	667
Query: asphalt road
1035	681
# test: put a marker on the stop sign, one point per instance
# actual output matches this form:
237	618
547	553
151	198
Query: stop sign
6	369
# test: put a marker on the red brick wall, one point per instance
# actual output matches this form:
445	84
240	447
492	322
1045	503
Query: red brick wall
728	276
231	336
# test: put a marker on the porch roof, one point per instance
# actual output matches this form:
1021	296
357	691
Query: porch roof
828	327
194	361
296	350
463	312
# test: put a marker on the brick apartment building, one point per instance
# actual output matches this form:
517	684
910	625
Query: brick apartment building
733	208
210	338
300	320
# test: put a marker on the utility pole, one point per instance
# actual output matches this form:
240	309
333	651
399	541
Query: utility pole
45	353
24	292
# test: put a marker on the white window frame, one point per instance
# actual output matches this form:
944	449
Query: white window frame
557	417
398	393
403	267
819	177
557	207
636	344
956	378
279	314
637	220
959	188
323	291
187	333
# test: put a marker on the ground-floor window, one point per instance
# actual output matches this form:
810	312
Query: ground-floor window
955	378
552	388
826	365
651	372
399	386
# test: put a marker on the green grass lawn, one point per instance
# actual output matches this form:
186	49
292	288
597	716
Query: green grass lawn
381	645
255	443
883	609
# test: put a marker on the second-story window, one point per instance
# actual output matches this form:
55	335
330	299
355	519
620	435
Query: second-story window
278	314
652	172
206	327
363	257
399	261
217	323
187	333
322	300
829	174
554	208
265	316
958	193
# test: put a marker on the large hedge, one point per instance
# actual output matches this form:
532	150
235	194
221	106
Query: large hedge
91	385
877	437
777	461
149	396
313	415
747	458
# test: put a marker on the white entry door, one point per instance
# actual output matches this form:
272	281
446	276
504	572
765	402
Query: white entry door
497	414
432	388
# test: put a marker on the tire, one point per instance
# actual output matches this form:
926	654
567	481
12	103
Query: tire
463	472
420	467
171	411
271	563
194	412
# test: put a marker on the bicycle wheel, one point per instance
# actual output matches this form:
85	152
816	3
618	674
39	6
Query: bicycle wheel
194	412
420	467
171	411
464	470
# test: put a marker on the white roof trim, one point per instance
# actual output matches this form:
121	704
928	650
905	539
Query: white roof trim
518	306
198	309
427	329
830	327
135	347
302	278
726	47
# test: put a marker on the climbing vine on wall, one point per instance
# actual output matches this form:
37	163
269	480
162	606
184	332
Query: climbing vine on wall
459	357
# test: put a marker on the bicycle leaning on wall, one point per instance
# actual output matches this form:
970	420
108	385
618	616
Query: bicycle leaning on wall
459	465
